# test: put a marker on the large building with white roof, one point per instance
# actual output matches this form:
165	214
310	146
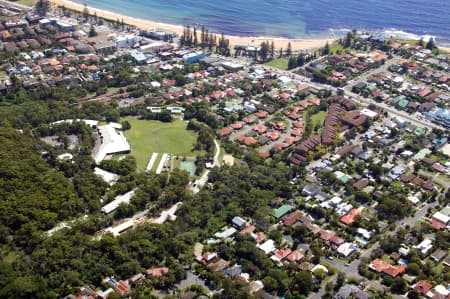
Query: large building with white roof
112	142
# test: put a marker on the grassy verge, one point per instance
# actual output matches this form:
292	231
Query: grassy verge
279	63
27	2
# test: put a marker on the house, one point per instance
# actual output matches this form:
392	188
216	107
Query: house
207	257
381	266
424	246
281	211
220	265
346	249
422	287
351	291
238	222
225	234
295	256
268	246
364	233
310	190
157	272
256	286
225	131
248	230
361	184
280	254
446	262
290	219
397	171
232	272
351	216
438	292
136	278
122	288
440	220
438	255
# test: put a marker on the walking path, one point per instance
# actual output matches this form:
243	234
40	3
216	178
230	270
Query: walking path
200	182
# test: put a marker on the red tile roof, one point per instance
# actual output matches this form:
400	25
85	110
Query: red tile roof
379	266
282	253
350	217
291	218
261	114
225	131
423	286
260	129
295	256
248	230
272	135
157	272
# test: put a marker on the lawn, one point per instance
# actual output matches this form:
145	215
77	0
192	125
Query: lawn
279	63
149	136
317	120
27	2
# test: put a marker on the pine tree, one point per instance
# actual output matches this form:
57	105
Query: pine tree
326	49
92	31
289	49
202	37
264	51
430	44
42	7
195	38
421	42
85	13
281	52
272	49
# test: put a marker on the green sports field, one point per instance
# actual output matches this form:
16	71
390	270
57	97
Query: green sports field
148	136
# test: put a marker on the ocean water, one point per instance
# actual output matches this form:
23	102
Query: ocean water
294	18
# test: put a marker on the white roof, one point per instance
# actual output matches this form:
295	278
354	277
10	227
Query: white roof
425	246
369	113
441	217
120	228
231	64
285	79
267	246
88	122
113	142
441	290
152	45
364	232
109	177
319	267
346	249
413	199
125	198
65	156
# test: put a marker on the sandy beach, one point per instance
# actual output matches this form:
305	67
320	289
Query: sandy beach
296	44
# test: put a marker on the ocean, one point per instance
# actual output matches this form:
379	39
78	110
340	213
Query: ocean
294	18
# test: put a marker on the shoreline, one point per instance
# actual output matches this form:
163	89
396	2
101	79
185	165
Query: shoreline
296	43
